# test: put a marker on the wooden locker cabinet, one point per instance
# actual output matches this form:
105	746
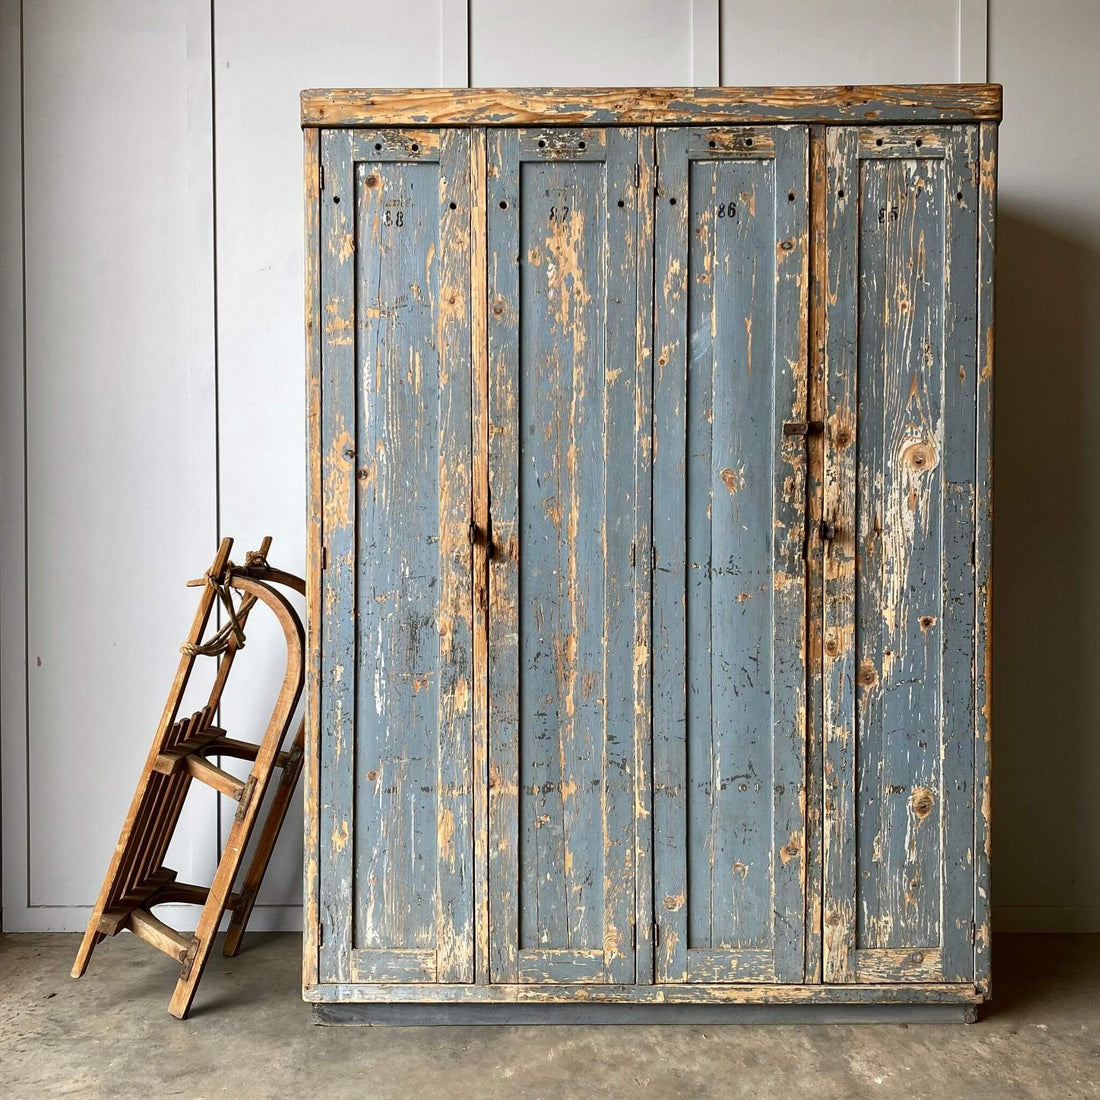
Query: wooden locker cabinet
649	554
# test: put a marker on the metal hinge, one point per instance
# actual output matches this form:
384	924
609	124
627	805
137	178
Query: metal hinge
321	175
320	935
637	175
656	934
324	557
973	933
633	555
633	937
187	959
246	797
652	555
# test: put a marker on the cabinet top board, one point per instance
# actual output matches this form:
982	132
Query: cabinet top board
847	104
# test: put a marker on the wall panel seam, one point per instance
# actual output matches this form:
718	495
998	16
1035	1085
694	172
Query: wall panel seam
706	68
972	41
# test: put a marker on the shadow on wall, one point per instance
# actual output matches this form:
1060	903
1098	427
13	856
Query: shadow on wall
1046	748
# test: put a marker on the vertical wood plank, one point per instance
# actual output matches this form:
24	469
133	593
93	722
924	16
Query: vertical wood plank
479	358
788	676
909	862
643	562
624	386
338	601
314	541
899	516
454	917
670	347
960	370
983	550
733	787
572	402
413	840
815	559
840	273
503	651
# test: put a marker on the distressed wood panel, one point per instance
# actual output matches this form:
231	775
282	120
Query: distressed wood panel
311	778
396	537
660	993
563	599
899	641
729	665
336	733
983	554
649	106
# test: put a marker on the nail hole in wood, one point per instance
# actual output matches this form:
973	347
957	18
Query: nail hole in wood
453	206
671	202
713	144
335	198
840	193
748	141
416	148
542	144
959	196
377	145
503	204
878	141
621	203
920	142
790	196
580	144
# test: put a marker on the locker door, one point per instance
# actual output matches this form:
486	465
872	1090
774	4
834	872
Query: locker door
396	866
728	531
899	599
568	390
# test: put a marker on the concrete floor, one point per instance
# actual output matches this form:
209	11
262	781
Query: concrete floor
109	1034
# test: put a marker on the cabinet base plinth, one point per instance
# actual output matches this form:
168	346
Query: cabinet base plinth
420	1015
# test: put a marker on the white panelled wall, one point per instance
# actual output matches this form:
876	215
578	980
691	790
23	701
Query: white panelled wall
152	370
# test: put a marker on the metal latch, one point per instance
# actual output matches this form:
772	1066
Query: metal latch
803	427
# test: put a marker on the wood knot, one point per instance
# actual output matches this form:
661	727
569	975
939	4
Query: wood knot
786	245
843	438
919	456
927	622
868	677
372	181
498	308
832	647
923	801
373	774
673	902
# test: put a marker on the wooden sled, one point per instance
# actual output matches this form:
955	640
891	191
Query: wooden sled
137	879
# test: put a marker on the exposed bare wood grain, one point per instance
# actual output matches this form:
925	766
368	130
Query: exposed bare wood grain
649	106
